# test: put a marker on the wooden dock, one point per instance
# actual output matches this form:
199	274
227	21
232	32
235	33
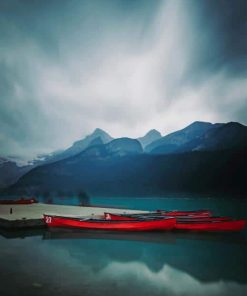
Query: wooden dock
30	216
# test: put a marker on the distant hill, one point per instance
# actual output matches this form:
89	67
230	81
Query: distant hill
150	137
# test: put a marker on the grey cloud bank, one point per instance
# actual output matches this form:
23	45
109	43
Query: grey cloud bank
67	67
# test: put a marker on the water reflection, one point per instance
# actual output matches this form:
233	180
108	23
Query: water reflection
203	257
72	262
167	281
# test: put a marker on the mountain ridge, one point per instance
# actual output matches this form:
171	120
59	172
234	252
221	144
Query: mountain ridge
197	137
201	136
179	137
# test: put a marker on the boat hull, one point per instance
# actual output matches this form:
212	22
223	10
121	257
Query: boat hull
197	213
118	217
21	201
232	225
193	224
162	224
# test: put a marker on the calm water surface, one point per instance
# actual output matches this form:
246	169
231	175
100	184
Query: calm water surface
66	262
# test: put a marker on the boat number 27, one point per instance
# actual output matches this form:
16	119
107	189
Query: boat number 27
48	219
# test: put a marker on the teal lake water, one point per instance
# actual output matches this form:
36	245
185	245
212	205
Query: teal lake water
68	262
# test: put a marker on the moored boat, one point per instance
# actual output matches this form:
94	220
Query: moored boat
103	224
176	213
192	223
111	216
21	201
213	225
161	213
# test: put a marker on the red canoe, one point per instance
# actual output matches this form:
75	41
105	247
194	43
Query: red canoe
188	223
110	216
21	201
103	224
198	213
232	225
178	214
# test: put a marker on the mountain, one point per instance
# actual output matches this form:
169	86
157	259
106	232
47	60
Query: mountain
138	174
10	172
202	157
123	146
171	142
226	136
115	148
150	137
96	141
201	136
80	145
97	137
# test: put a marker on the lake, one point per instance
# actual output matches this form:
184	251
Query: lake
73	262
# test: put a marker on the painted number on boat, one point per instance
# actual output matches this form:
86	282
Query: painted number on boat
48	219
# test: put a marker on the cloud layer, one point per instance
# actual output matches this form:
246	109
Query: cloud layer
67	67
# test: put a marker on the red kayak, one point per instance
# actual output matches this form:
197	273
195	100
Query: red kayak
103	224
21	201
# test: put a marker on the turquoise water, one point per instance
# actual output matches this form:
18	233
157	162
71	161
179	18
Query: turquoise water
69	262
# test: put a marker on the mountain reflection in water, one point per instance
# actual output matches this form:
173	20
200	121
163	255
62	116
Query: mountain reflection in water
96	262
73	262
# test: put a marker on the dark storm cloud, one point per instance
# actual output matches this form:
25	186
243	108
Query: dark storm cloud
67	67
224	24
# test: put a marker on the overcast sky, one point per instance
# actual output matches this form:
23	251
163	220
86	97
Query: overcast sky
126	66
